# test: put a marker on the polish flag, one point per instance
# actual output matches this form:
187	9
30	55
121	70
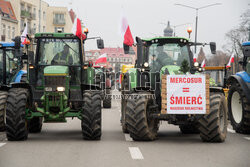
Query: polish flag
126	33
231	60
203	64
195	57
102	59
77	29
24	39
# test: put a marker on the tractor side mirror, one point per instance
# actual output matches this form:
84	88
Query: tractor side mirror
100	44
213	47
126	49
17	42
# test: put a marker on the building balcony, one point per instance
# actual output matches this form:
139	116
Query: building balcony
27	14
59	22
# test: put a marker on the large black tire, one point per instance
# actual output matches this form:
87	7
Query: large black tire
107	99
140	126
91	116
189	129
123	115
213	126
238	109
35	125
3	97
16	124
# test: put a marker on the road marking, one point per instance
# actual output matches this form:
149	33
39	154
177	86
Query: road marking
135	153
230	130
128	138
1	144
248	138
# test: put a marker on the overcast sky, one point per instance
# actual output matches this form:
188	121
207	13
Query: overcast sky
102	17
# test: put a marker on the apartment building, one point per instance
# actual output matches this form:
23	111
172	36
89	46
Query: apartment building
8	22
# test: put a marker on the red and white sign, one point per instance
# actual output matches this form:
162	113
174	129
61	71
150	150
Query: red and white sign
186	94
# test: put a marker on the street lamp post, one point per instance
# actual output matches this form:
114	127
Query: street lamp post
196	18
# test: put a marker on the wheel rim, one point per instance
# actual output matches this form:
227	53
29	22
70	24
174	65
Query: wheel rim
236	107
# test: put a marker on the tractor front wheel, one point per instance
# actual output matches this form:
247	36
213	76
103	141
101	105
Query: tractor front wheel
16	124
3	97
91	116
239	109
140	125
213	126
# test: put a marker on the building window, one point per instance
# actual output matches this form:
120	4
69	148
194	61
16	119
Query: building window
4	29
44	15
43	28
13	32
34	28
22	25
9	32
34	13
22	7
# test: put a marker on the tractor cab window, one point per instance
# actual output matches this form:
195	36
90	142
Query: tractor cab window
161	55
59	52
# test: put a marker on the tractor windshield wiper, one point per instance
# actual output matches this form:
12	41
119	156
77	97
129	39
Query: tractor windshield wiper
68	46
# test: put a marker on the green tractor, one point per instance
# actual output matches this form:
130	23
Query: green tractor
59	85
10	72
144	92
103	78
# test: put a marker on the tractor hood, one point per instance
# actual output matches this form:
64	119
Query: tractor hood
172	69
56	71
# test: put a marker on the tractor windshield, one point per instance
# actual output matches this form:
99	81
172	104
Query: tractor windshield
59	52
248	65
167	54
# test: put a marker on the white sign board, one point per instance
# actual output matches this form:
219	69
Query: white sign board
186	94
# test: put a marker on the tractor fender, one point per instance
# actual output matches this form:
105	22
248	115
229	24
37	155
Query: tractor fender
216	89
244	85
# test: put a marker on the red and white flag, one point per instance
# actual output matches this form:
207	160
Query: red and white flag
77	29
102	59
195	57
231	60
24	35
126	33
203	64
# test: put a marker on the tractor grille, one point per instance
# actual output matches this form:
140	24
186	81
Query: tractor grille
54	81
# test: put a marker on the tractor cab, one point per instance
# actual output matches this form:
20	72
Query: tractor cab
246	59
10	62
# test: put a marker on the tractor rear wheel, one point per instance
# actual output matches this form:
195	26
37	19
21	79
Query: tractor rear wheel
213	126
91	116
35	125
238	109
3	97
140	126
16	124
107	99
189	129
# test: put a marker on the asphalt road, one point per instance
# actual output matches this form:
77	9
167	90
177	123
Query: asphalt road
62	145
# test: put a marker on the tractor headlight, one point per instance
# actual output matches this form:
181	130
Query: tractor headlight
48	89
196	64
60	89
146	64
200	69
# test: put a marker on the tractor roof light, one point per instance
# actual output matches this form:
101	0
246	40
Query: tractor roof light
146	64
86	30
196	64
189	30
